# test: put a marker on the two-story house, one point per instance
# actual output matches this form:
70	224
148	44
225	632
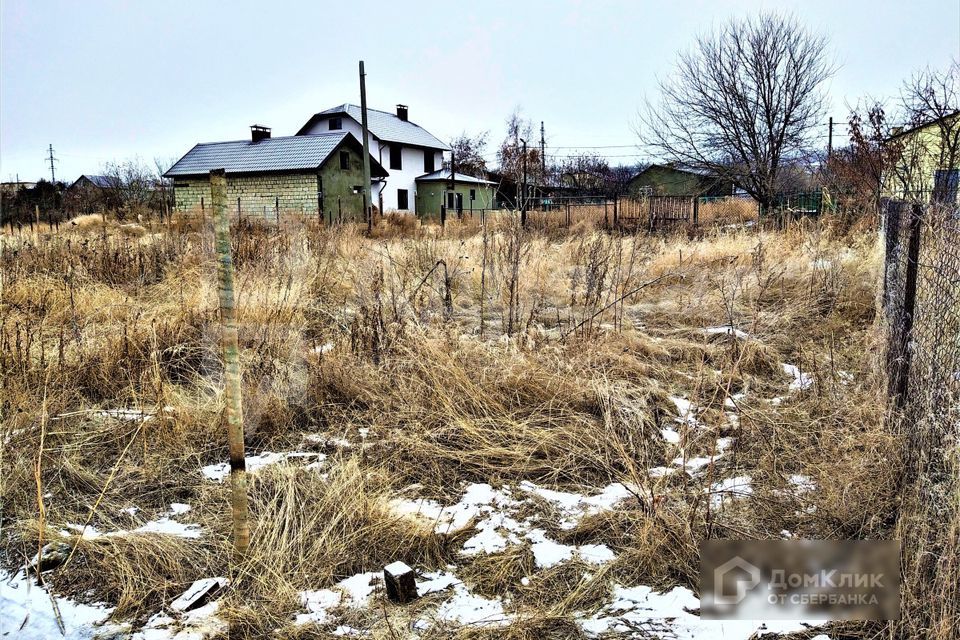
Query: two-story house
406	150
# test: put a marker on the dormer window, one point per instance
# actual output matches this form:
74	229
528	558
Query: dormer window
336	124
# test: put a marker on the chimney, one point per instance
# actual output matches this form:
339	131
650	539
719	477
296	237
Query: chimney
403	112
259	132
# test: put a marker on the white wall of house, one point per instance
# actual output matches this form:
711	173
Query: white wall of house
412	164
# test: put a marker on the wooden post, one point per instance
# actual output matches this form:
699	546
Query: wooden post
696	210
233	413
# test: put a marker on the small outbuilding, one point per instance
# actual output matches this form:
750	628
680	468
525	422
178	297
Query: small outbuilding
466	194
318	175
673	180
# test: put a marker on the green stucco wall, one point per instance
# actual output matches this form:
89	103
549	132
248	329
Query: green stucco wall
430	195
296	193
666	182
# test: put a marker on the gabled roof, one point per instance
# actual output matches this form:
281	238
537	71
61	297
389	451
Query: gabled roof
444	176
679	168
384	125
289	153
103	182
924	125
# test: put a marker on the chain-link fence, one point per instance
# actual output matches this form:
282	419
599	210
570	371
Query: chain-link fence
921	305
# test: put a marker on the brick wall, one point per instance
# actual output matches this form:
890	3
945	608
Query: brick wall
297	193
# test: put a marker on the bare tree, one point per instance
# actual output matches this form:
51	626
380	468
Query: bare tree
131	187
743	101
468	153
511	157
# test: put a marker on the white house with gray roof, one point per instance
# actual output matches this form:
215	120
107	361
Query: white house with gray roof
406	150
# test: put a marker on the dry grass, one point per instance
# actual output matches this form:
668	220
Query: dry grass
487	357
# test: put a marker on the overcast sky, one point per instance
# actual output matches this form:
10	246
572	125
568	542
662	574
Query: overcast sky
107	81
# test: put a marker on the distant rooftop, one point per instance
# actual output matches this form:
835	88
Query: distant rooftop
104	182
384	125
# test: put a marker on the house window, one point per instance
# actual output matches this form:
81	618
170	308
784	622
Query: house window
344	160
473	194
428	162
449	199
946	183
336	124
395	160
402	199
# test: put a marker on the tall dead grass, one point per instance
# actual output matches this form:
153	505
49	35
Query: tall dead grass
491	357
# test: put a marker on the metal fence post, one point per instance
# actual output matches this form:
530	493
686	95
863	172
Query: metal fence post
902	373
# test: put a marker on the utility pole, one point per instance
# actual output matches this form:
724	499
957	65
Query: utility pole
523	188
830	140
367	210
453	178
53	175
543	161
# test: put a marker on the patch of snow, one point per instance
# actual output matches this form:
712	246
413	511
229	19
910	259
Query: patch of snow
358	588
488	540
659	472
732	402
168	527
687	411
546	552
346	630
218	472
669	615
435	582
317	603
802	483
467	609
670	435
27	612
728	330
730	487
178	508
323	348
576	506
692	465
800	380
596	553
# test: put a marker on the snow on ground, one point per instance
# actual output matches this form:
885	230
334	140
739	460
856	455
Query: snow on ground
800	380
27	612
200	623
575	506
218	472
729	488
491	512
728	330
468	609
164	525
650	614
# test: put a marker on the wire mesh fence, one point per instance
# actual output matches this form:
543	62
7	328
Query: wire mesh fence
921	307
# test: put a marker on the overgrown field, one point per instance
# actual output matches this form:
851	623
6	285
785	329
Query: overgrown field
542	426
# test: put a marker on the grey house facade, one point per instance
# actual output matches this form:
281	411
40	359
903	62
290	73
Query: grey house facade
317	175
